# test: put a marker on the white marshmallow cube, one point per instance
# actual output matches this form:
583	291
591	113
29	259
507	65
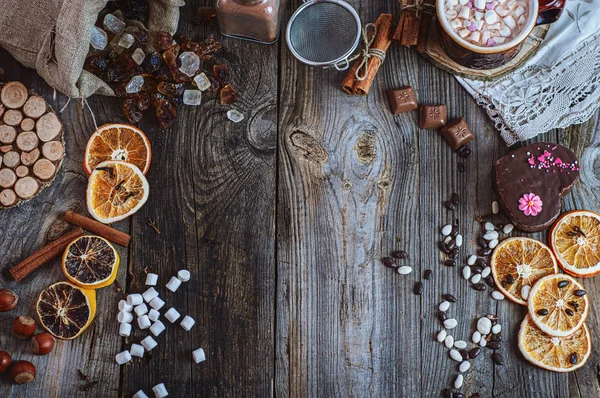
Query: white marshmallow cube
137	350
198	355
151	279
125	329
451	14
479	4
491	17
123	357
172	315
160	390
505	31
135	299
173	284
157	328
455	24
149	294
183	275
149	343
187	323
479	15
123	306
144	322
157	303
141	309
519	11
511	23
475	36
153	315
464	13
501	11
124	317
464	33
140	394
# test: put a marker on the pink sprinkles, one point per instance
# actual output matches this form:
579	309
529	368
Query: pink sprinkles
547	162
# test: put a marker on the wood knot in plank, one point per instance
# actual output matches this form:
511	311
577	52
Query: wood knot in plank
365	147
309	146
262	128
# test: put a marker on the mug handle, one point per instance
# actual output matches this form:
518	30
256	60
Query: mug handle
549	11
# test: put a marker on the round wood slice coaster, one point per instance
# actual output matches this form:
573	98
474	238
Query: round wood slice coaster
32	145
434	53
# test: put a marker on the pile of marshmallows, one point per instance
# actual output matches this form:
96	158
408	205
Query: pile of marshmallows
149	319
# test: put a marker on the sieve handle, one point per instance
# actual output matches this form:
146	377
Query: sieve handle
342	65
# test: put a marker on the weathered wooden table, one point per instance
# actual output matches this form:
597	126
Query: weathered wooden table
282	220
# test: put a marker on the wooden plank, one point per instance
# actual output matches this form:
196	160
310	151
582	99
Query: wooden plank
213	199
25	229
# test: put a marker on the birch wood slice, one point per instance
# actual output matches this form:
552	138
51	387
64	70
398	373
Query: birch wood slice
32	144
436	55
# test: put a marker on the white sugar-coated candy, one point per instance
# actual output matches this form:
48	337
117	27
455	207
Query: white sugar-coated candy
458	382
476	338
124	317
508	228
187	323
490	235
455	24
464	13
460	344
140	394
454	354
404	270
123	306
485	272
491	17
471	260
160	390
466	272
450	323
135	299
183	275
446	229
444	305
173	284
441	336
493	243
199	355
149	294
482	342
458	240
525	291
153	315
149	343
449	341
141	309
151	279
489	226
484	325
124	329
144	322
495	207
464	366
476	278
497	328
123	357
137	350
172	315
157	328
157	303
496	295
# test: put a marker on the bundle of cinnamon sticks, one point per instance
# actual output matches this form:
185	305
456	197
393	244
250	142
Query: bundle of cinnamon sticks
415	23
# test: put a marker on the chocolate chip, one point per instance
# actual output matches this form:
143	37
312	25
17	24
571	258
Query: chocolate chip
427	274
450	263
418	289
449	297
484	252
441	316
400	254
481	262
489	280
389	262
482	242
474	352
493	345
442	246
497	358
478	286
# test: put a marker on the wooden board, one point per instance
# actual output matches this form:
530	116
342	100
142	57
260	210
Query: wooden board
282	220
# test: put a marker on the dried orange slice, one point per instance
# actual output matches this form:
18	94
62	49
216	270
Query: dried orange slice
518	262
116	190
558	305
66	310
118	142
558	354
90	262
575	241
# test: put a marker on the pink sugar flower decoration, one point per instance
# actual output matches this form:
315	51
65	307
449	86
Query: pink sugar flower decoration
530	204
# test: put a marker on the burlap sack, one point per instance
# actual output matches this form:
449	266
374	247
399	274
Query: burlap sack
53	37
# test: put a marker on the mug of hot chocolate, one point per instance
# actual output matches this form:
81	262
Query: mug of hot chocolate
486	34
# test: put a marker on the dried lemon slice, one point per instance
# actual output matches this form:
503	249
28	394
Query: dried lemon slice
558	354
66	310
575	240
518	262
90	262
558	305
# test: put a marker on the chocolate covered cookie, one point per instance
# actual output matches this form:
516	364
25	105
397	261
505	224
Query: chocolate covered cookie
531	182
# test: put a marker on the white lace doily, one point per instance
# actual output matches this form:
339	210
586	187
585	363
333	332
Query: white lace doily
558	87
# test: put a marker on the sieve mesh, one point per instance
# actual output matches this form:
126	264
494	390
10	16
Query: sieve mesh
323	32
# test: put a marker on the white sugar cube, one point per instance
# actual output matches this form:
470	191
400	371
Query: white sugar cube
183	275
198	355
157	303
173	284
124	317
123	306
125	329
144	322
140	394
149	343
123	357
172	315
153	315
160	390
187	323
149	294
157	328
151	279
137	350
141	309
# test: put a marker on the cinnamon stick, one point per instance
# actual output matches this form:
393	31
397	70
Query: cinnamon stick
350	79
425	27
45	254
397	36
120	238
382	41
410	25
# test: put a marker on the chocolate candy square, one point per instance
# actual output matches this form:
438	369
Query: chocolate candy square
402	100
432	117
458	133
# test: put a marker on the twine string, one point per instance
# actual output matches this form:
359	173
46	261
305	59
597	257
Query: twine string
362	71
419	7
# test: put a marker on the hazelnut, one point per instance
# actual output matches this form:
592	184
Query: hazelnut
23	327
5	361
8	300
22	372
43	343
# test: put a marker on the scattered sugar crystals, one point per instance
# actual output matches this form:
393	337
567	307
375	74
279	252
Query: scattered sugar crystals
138	56
126	40
202	81
235	116
192	97
98	39
114	24
190	63
135	84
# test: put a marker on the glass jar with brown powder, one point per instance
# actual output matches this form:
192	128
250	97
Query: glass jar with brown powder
257	20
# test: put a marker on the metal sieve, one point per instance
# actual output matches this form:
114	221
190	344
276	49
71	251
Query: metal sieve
324	33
